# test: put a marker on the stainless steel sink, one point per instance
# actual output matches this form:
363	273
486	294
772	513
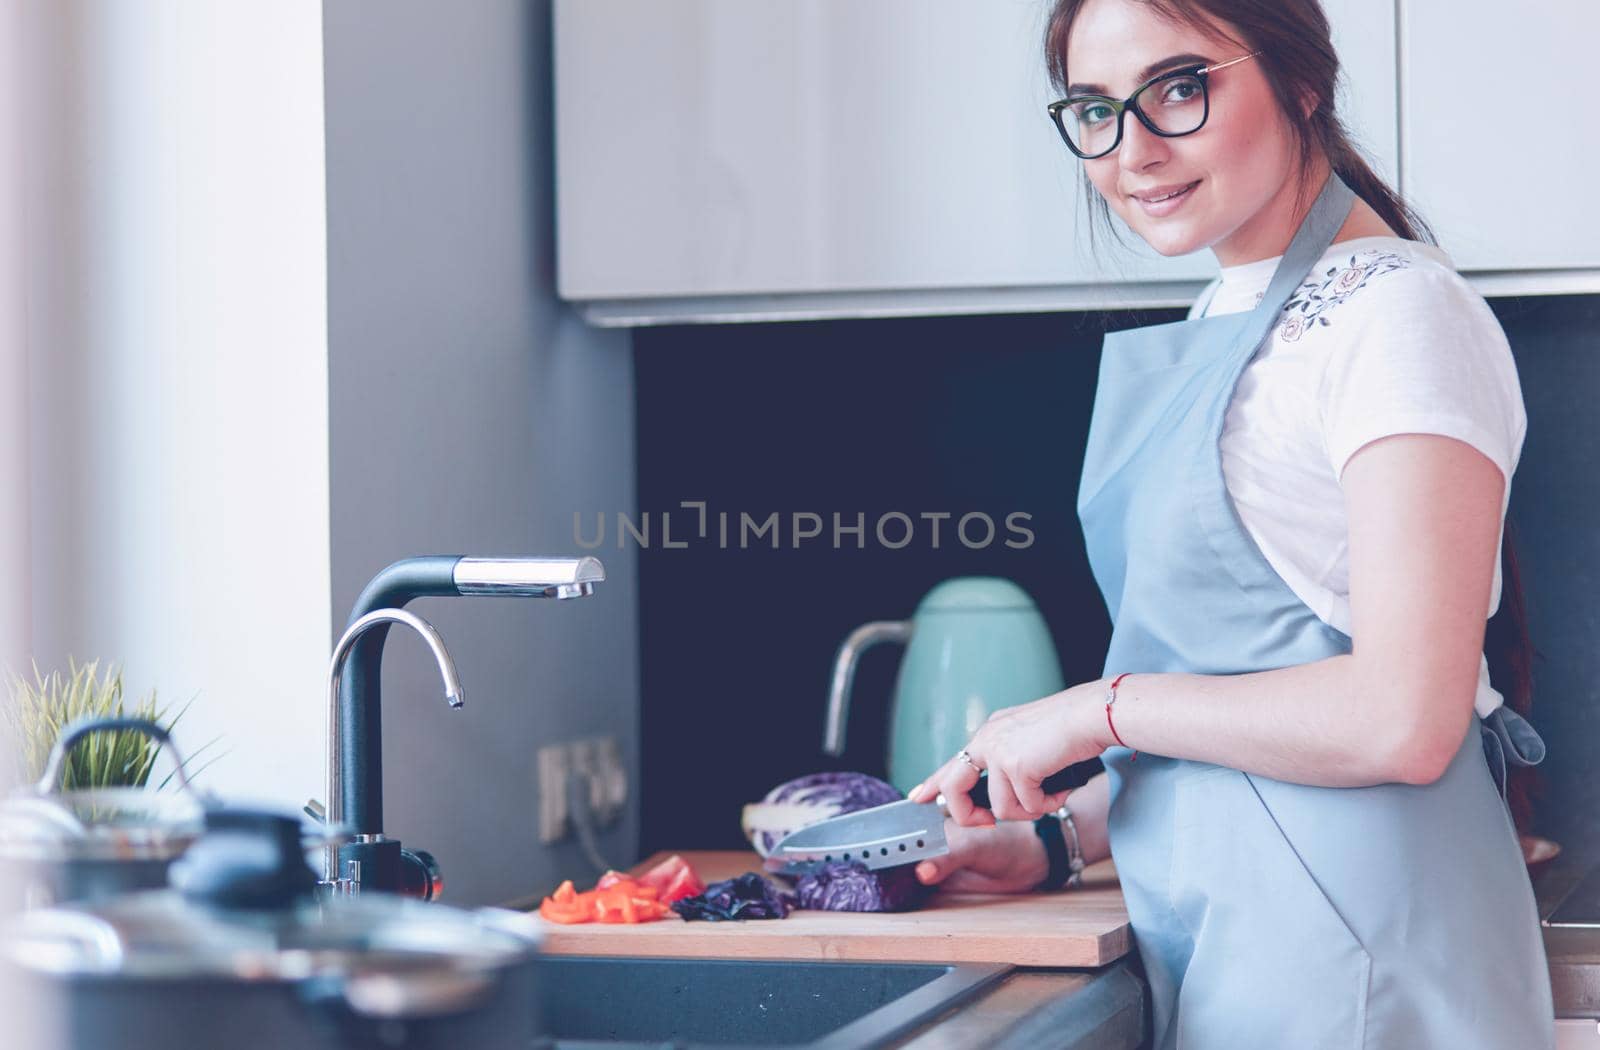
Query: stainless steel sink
612	1003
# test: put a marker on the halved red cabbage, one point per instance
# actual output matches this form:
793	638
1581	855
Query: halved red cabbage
852	886
841	885
802	802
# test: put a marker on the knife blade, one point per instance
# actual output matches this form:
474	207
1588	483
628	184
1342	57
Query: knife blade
897	833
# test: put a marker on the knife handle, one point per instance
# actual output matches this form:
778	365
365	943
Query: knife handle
1075	775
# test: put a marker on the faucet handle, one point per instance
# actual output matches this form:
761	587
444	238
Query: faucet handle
323	836
350	885
347	886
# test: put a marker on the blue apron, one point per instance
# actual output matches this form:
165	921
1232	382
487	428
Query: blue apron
1270	914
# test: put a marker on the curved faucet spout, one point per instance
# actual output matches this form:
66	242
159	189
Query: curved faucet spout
439	575
453	694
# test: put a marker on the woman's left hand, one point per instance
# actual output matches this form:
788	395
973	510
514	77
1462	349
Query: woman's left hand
1019	747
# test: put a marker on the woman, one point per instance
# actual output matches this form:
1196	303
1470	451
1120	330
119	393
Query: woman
1293	504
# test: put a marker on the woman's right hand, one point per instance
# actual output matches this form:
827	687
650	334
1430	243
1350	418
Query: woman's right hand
1002	858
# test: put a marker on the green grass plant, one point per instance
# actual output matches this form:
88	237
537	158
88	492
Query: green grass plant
41	708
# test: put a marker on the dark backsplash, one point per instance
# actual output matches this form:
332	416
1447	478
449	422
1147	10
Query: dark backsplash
1555	510
958	415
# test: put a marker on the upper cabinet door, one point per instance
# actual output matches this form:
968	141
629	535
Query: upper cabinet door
1498	130
1364	37
727	148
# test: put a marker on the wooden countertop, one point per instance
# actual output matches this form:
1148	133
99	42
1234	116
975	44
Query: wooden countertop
1082	927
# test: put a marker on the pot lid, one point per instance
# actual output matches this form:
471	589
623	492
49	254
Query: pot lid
106	824
162	935
245	905
117	823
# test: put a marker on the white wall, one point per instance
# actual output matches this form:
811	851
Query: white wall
176	349
14	630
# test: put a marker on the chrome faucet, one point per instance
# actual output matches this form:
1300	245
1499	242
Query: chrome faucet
453	694
357	736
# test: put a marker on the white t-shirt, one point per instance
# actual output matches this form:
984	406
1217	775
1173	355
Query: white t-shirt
1382	337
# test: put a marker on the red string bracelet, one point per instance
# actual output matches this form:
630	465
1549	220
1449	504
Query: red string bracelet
1111	698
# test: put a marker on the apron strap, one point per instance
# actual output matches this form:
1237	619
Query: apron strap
1219	519
1316	233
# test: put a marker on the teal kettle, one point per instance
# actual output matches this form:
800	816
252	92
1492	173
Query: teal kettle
974	645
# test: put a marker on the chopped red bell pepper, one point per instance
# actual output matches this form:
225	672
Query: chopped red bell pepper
615	899
564	906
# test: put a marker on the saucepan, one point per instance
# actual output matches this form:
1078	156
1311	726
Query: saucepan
62	845
244	950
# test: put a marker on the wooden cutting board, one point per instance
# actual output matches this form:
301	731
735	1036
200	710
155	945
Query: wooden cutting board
1087	926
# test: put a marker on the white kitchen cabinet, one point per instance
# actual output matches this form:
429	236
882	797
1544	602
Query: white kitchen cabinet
1498	143
721	159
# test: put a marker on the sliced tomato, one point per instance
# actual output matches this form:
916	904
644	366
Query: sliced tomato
685	884
663	873
674	878
610	879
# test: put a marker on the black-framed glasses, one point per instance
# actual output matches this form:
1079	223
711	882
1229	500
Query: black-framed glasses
1091	125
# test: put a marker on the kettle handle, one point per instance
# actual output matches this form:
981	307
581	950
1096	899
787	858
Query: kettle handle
844	672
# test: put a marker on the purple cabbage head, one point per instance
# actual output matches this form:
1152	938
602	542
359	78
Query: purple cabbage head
852	886
841	885
804	801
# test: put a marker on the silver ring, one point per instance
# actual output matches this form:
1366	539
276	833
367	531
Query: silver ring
968	760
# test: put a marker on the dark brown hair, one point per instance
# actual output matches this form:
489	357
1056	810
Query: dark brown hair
1300	64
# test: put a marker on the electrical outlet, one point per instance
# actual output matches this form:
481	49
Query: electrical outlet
593	766
554	764
612	777
582	754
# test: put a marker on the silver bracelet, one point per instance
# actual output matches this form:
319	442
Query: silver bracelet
1075	863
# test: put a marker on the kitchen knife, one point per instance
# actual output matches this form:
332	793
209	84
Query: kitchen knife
898	833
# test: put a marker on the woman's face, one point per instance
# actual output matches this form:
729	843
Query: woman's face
1240	164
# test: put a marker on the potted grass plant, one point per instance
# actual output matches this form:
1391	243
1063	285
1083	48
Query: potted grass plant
42	707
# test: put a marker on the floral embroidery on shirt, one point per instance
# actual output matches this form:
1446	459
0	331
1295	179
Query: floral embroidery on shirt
1339	283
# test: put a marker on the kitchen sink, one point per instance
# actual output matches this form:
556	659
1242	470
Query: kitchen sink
612	1003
